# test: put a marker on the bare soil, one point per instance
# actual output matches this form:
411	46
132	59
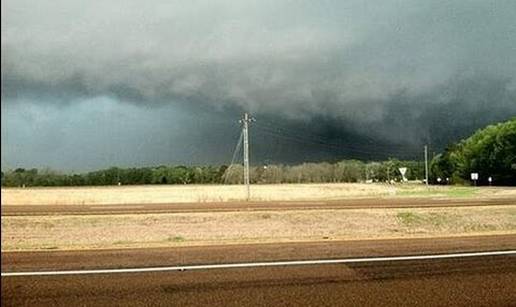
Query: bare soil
361	203
151	230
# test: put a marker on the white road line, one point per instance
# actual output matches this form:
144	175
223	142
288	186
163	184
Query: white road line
260	264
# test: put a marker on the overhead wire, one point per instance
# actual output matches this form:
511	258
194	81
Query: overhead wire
334	146
235	153
378	148
310	134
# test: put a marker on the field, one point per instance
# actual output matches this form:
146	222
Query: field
328	212
154	230
231	193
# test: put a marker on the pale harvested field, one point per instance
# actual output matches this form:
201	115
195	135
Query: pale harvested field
224	193
149	230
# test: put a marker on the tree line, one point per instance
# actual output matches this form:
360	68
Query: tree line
490	152
344	171
114	176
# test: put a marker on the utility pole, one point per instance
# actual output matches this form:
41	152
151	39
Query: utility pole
426	165
245	131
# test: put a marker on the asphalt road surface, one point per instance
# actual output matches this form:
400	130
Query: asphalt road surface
472	281
17	210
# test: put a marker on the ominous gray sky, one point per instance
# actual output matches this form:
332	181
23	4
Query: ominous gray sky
125	83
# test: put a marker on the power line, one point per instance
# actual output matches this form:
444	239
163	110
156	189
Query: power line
330	146
323	139
426	165
245	131
235	152
333	146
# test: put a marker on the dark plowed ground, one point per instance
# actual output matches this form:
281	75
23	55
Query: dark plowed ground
10	210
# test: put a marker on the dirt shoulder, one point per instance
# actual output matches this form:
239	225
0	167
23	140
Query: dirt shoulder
362	203
203	229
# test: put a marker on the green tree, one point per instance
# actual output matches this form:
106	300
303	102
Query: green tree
491	152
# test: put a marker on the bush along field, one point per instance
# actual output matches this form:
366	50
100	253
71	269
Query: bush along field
490	152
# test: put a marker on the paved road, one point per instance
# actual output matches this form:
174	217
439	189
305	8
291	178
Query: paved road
466	282
150	257
488	281
16	210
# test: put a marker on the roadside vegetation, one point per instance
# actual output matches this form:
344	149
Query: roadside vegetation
490	152
343	171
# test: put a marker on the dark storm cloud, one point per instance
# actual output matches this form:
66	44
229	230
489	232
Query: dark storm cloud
391	71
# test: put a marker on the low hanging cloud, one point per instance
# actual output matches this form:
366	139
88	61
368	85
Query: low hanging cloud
376	67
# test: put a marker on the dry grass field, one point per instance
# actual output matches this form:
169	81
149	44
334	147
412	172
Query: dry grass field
227	193
207	228
153	230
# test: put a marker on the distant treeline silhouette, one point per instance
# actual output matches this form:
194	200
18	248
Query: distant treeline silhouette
344	171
